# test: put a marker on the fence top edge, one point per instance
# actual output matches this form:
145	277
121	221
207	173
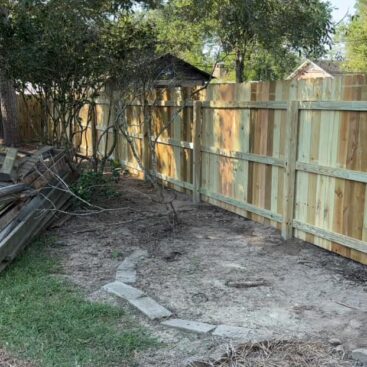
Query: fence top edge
277	105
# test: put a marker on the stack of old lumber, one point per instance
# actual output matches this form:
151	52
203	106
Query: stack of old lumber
33	191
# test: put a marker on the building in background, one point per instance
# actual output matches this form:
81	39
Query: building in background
317	69
169	70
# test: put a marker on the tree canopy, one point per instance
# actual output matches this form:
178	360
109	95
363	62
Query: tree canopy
270	30
64	51
355	36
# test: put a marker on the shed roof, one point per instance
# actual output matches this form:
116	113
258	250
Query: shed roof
170	67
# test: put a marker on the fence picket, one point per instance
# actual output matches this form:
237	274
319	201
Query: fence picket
290	170
197	128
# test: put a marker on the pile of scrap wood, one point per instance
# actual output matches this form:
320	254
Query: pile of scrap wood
33	192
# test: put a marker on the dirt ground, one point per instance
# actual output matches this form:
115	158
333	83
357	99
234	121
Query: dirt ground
7	361
215	267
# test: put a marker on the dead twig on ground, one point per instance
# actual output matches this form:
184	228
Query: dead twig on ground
278	353
349	306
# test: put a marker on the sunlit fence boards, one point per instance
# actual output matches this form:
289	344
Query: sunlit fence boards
290	154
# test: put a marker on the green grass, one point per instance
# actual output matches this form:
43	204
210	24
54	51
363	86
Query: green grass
48	321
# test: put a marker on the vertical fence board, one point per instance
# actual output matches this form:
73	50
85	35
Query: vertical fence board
197	117
290	174
242	145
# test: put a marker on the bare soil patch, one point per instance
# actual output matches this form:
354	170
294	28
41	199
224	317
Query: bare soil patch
219	268
7	361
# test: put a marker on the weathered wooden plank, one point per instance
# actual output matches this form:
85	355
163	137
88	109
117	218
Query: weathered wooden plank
32	218
197	130
250	208
7	216
251	157
45	173
8	164
30	227
332	172
40	164
331	236
290	170
12	189
334	105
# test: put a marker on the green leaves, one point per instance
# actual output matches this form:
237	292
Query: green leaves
250	28
355	36
68	49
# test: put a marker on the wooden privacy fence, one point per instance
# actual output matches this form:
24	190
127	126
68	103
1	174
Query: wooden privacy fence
30	118
292	155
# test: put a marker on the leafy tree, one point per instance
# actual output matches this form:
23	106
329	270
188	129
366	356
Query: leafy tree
243	27
266	65
193	40
355	36
64	51
262	65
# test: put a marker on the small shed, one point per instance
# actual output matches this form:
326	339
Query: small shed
317	69
172	71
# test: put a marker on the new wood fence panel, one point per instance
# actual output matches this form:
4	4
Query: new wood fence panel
329	142
311	188
174	125
222	134
236	146
292	154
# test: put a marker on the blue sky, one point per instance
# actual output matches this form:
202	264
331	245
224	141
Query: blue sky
342	7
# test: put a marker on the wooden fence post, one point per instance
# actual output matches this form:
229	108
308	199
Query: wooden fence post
197	119
290	169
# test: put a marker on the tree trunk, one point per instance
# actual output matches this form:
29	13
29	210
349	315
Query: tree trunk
8	101
240	67
9	111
